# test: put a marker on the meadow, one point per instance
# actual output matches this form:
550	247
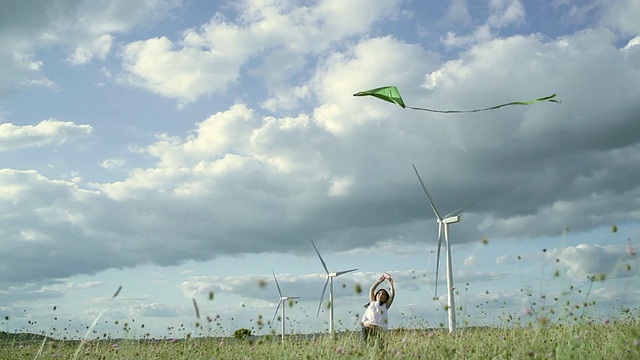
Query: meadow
586	340
562	325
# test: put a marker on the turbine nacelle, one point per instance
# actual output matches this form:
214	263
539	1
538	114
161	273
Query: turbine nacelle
336	274
451	219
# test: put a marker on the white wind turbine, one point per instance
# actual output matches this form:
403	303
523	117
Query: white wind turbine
450	218
330	276
281	302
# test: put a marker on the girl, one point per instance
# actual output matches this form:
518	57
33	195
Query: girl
376	317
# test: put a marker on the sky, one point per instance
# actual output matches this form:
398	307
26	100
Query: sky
186	150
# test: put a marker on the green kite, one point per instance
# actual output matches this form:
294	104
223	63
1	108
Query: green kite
391	94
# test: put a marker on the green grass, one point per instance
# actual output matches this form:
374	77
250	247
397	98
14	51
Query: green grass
559	324
620	340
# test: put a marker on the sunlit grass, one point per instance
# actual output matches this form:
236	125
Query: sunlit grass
583	340
561	323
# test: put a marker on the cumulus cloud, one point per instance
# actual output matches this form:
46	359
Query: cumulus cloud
242	181
621	15
152	310
111	164
208	60
458	13
49	132
99	48
83	29
502	13
584	261
505	12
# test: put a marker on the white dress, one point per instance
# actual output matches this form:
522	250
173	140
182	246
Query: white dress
377	315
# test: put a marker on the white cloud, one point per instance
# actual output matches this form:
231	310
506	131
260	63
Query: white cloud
238	164
99	48
49	132
583	260
152	310
84	28
623	15
186	74
111	164
470	261
458	13
633	42
209	59
505	12
342	75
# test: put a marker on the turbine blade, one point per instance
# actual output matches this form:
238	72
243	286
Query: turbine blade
459	211
324	265
438	255
277	285
344	272
322	296
433	206
293	297
276	313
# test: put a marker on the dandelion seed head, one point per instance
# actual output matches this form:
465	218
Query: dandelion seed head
357	288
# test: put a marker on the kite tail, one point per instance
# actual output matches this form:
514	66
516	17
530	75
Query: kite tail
549	98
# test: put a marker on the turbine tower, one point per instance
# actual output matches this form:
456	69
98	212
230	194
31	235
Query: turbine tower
281	302
330	276
450	218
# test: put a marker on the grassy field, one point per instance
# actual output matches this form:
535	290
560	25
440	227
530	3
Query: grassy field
619	340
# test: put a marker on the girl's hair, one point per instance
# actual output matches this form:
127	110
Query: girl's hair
382	290
377	292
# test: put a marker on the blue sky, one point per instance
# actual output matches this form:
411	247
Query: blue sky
177	148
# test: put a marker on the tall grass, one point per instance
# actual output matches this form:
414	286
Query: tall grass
583	340
561	323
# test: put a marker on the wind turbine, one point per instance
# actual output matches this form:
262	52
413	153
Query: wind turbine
451	218
330	276
281	302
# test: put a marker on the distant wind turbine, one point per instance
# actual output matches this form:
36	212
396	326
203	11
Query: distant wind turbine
330	276
451	218
281	302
